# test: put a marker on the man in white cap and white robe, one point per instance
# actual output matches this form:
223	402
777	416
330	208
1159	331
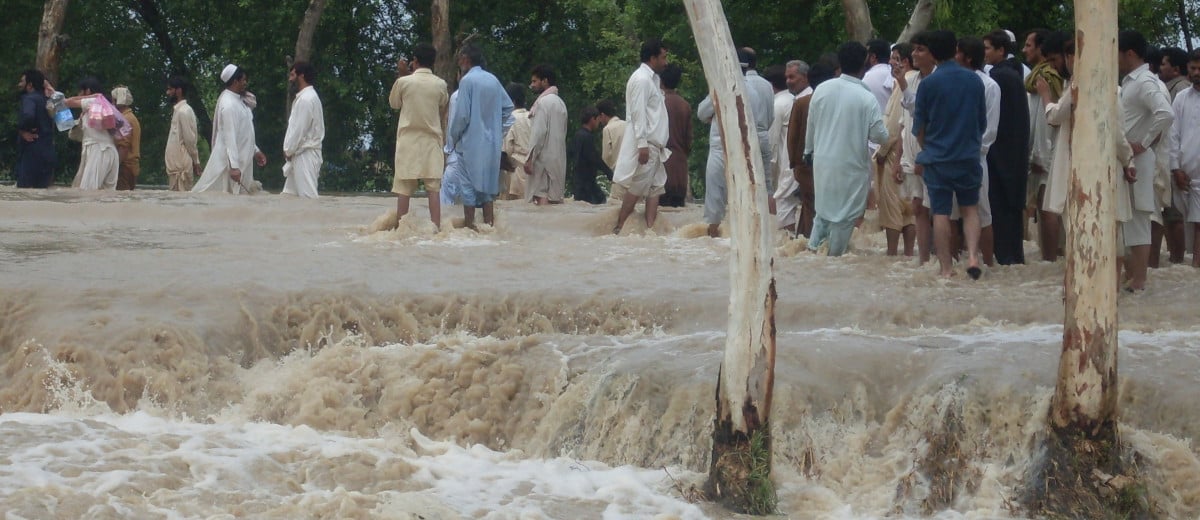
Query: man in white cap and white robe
230	167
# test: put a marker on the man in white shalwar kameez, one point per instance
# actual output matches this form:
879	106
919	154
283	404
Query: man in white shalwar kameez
762	104
305	132
641	170
1185	152
99	161
230	167
546	164
1147	120
844	114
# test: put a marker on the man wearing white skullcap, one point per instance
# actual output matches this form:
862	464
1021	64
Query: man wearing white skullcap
129	149
230	167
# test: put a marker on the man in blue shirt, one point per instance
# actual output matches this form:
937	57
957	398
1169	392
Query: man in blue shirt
949	121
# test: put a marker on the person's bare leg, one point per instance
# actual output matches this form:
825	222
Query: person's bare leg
910	234
489	213
469	217
1139	261
1175	242
893	241
923	228
956	238
1048	226
714	230
628	202
651	212
401	207
941	239
1196	245
435	208
1156	239
971	232
986	247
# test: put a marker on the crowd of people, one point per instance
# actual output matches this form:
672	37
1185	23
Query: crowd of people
110	136
961	147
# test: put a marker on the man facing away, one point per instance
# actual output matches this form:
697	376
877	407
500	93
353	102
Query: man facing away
1147	119
843	115
1185	152
35	133
129	148
970	56
422	100
516	144
586	159
481	115
762	104
230	167
1008	157
949	121
181	158
305	132
546	166
679	121
640	170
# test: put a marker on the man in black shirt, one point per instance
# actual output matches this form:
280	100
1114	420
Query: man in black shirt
586	159
35	144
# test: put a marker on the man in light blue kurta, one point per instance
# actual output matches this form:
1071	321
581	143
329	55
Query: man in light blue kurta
482	113
844	114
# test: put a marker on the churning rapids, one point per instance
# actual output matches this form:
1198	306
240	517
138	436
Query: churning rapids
181	356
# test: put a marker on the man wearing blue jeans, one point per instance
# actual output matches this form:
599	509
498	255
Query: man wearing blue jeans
949	121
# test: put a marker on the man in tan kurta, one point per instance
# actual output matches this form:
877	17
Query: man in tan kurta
129	149
547	162
181	159
610	140
895	214
422	99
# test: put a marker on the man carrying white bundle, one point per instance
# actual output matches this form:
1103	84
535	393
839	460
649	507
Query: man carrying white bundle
230	167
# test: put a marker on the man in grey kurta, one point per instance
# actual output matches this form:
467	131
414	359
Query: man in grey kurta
546	166
762	105
844	114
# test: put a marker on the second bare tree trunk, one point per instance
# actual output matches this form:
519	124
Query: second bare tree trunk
858	20
304	41
49	47
740	471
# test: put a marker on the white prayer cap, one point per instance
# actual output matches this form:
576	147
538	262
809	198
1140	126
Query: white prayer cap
1011	36
122	96
228	72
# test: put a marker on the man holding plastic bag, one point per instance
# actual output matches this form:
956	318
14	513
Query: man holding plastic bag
100	122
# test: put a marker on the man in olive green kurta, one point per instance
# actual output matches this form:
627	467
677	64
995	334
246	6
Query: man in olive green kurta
422	100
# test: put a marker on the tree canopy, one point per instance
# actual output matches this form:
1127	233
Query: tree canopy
592	43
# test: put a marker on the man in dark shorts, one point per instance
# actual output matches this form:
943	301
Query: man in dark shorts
949	120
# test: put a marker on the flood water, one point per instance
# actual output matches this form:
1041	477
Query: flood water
183	356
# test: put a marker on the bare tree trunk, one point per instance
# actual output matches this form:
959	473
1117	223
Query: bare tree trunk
1085	398
49	47
1081	449
858	20
1185	24
152	16
739	476
919	21
444	65
304	41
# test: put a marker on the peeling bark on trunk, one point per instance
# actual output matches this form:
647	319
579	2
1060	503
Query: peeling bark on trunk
919	21
858	20
1085	398
50	41
444	65
740	472
152	16
1082	442
304	43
